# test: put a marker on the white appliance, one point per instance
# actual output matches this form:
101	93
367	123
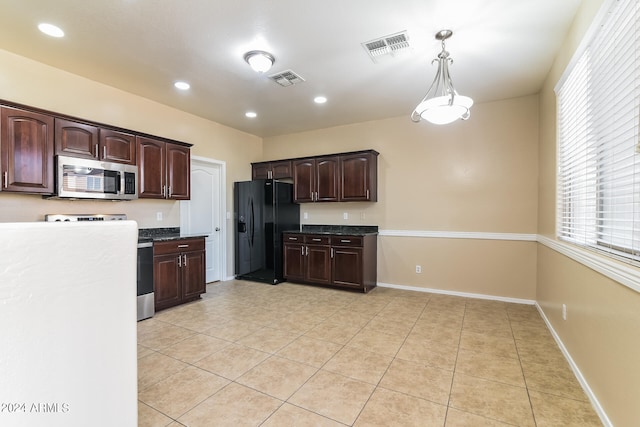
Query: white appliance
68	324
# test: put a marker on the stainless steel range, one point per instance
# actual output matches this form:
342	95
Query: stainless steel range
145	293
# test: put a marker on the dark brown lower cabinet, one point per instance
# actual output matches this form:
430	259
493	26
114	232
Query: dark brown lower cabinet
293	258
344	261
317	260
178	271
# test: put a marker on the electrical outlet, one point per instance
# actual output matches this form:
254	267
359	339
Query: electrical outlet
564	311
159	216
305	215
418	269
345	215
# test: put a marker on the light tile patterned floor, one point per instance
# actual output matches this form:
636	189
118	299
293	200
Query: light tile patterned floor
251	354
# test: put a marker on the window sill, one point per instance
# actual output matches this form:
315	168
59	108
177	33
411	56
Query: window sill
624	274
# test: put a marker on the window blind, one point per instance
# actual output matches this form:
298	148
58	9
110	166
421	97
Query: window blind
598	115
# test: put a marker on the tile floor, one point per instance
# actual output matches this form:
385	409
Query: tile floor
250	354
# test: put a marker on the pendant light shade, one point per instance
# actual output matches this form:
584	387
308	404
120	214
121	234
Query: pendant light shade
442	104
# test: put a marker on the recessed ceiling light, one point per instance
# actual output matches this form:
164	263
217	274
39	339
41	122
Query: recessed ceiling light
51	30
320	99
251	114
182	85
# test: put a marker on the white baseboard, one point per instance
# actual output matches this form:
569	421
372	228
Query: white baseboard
458	294
583	382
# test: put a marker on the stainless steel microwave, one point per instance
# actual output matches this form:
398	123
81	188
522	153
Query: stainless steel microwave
93	179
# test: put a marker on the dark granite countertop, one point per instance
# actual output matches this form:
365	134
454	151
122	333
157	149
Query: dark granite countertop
164	234
352	230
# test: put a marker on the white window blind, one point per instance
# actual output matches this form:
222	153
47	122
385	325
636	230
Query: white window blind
598	147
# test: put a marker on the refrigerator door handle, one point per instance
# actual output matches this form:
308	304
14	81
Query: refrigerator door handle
252	222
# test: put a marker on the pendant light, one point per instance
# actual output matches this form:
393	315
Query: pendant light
442	104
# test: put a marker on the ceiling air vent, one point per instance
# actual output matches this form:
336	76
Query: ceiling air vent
390	45
286	78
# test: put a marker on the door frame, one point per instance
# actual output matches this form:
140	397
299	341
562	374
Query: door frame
205	161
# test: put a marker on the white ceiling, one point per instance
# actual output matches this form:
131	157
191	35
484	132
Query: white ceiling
501	49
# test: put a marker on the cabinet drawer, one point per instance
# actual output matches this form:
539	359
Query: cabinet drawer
177	246
315	239
292	238
346	241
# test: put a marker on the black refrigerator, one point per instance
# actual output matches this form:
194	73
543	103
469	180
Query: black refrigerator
263	209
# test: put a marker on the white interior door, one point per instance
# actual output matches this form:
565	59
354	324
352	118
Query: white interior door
204	213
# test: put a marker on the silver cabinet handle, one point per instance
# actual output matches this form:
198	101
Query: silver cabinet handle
302	247
367	194
331	252
96	151
345	241
5	176
307	251
317	240
293	238
184	264
169	196
104	152
164	191
179	261
183	246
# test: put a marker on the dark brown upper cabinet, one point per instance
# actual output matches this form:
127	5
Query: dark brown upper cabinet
78	139
316	179
272	170
26	151
359	177
164	170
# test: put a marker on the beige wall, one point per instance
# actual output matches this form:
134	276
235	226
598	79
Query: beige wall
475	176
35	84
601	330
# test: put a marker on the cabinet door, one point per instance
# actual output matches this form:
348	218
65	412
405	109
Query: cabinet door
293	261
178	172
166	280
357	177
347	266
151	168
26	147
76	139
260	170
281	170
303	180
327	179
117	146
318	264
193	270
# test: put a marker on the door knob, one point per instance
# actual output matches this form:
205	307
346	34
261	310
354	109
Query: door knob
217	228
